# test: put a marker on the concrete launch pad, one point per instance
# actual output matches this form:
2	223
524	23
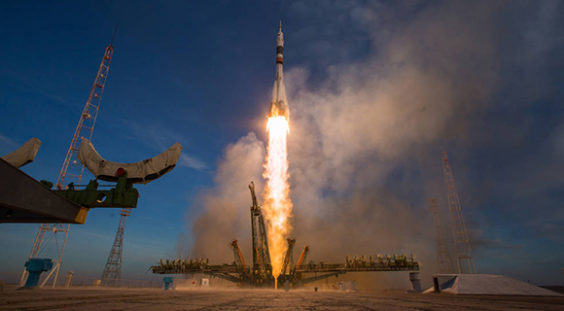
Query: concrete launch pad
258	299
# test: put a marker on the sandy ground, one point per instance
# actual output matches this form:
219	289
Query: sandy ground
153	299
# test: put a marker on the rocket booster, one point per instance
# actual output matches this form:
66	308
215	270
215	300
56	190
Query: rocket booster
278	104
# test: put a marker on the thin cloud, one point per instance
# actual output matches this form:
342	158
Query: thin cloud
161	139
5	140
31	85
191	162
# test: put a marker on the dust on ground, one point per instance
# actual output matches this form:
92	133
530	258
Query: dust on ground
247	299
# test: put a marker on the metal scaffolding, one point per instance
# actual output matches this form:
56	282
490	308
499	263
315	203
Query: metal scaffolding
72	170
259	274
460	237
443	254
112	271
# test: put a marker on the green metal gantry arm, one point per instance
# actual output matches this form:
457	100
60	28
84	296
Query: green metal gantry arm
123	195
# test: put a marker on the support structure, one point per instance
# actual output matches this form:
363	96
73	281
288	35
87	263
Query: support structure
460	237
26	200
262	268
238	257
303	257
54	230
443	254
72	170
288	258
260	273
112	271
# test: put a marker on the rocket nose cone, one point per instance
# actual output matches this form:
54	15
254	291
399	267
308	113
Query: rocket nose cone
280	36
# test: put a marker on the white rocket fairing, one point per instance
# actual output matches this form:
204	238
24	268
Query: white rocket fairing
278	104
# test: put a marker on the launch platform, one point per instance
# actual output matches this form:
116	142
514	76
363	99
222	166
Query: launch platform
260	273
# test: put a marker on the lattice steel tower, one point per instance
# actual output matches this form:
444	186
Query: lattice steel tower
72	170
112	271
460	237
443	254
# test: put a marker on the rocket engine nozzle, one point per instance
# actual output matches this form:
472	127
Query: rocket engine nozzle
279	108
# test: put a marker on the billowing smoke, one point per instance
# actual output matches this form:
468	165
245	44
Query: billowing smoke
366	123
226	213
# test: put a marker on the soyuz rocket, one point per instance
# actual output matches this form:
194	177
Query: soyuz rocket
278	104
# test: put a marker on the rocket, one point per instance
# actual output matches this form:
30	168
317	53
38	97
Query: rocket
278	104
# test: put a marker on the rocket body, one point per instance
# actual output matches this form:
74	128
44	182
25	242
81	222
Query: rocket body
278	103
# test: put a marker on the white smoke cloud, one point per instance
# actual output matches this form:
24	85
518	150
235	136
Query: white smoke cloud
368	118
225	215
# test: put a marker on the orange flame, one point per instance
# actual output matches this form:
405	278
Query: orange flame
277	203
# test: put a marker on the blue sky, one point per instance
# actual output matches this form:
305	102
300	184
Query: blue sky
200	73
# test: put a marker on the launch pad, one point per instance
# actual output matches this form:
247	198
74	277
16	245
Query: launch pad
244	299
260	273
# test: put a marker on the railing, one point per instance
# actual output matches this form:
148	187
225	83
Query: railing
351	264
359	266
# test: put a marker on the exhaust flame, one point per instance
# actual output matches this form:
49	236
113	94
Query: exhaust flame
277	204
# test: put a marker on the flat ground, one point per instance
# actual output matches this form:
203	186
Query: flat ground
209	299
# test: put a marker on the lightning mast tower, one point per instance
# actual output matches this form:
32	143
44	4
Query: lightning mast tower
112	271
443	255
72	169
460	237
